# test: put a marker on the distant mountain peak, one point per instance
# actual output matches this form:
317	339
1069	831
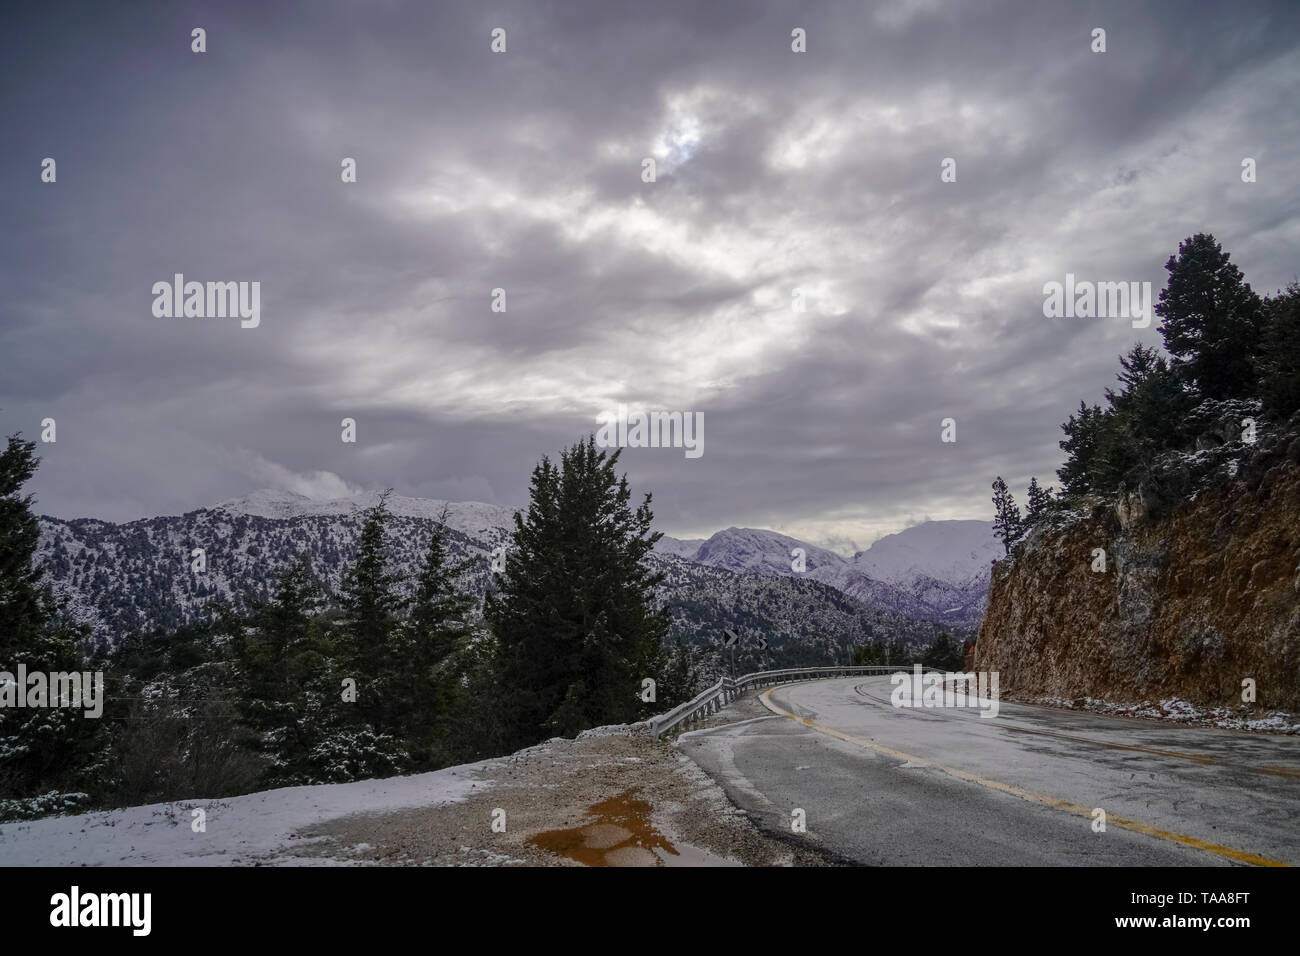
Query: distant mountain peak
758	550
469	517
956	552
266	503
934	572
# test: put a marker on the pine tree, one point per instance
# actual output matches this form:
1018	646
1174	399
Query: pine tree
298	692
1039	503
896	653
431	643
1279	359
1212	320
1007	523
475	727
371	611
943	653
680	678
1143	419
283	658
872	653
573	618
1152	403
1080	446
48	755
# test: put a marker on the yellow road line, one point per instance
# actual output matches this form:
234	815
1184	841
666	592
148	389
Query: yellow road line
1043	799
1275	770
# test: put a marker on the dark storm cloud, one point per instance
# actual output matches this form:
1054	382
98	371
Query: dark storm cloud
776	171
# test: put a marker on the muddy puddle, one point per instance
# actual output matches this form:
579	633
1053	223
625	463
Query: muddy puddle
621	834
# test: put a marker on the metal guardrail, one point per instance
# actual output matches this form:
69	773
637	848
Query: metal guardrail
728	689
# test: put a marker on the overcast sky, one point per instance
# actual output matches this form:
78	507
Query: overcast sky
522	170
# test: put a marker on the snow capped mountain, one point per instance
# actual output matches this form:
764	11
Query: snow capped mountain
753	551
473	518
955	552
936	571
268	503
137	576
124	578
682	547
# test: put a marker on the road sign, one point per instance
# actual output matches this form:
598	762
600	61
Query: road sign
762	643
731	639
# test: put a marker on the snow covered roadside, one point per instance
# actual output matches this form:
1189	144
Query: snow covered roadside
614	796
257	829
1178	711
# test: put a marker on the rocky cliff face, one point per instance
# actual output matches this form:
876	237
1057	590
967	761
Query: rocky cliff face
1200	591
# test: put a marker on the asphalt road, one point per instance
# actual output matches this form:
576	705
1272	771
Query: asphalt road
882	785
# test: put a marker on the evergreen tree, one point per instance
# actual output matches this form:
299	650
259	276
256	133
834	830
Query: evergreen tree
1212	320
869	654
48	755
1138	365
1279	359
1007	523
574	619
269	647
1083	435
1152	403
284	659
431	644
1143	419
1039	503
475	727
896	653
943	653
681	676
370	618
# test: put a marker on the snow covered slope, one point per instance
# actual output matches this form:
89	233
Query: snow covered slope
682	547
473	518
255	829
125	578
753	551
955	552
937	571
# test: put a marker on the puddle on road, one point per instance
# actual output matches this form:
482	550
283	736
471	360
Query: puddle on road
622	835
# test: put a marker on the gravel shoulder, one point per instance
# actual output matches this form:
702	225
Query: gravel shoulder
614	796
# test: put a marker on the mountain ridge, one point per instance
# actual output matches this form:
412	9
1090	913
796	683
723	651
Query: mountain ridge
136	575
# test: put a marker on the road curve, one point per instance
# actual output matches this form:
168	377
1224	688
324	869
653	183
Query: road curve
881	785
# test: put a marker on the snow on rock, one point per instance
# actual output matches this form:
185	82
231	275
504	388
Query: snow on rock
257	828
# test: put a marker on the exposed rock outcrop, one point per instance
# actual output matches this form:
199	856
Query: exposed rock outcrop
1201	588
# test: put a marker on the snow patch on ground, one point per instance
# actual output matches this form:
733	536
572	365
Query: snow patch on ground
1180	711
255	829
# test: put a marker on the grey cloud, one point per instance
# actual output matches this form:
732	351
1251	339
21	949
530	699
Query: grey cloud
523	171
